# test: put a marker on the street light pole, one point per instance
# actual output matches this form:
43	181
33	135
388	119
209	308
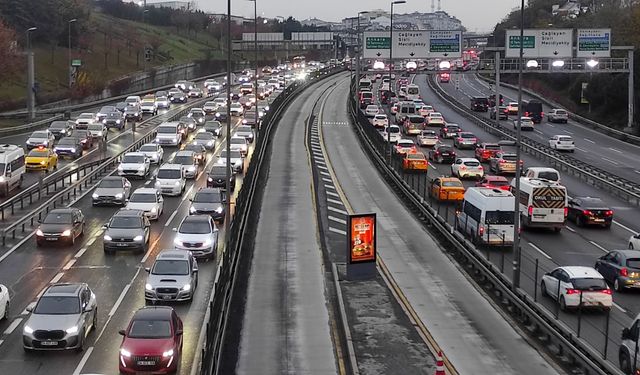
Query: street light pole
31	77
391	68
516	218
69	59
359	48
255	62
227	211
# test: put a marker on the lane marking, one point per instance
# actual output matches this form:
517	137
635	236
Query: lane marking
539	250
335	201
625	227
609	160
615	150
16	247
339	231
327	179
83	361
341	221
324	173
332	193
619	307
56	278
30	305
433	166
91	241
80	252
581	149
570	229
330	186
121	297
537	131
322	167
590	141
337	210
598	246
12	327
69	264
568	131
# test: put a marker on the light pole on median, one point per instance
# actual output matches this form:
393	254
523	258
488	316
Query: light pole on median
359	48
391	68
227	211
516	215
255	61
69	52
31	77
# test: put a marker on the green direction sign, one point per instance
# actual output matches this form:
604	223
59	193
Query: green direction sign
76	62
529	41
378	42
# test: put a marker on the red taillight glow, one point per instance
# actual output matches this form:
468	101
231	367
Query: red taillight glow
606	291
609	213
566	211
530	210
624	271
572	291
587	213
480	167
481	231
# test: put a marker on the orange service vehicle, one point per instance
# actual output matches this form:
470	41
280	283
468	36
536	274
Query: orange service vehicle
447	189
415	161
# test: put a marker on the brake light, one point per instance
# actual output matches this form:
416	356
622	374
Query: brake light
526	114
502	161
566	211
587	213
624	271
530	210
572	291
481	231
608	213
445	129
480	167
606	291
41	147
463	167
541	114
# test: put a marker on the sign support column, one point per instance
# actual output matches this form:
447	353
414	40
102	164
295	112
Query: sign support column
497	101
630	95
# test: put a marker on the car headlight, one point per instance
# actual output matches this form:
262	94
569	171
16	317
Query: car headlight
137	238
95	196
192	209
244	121
135	114
124	352
120	167
99	134
117	121
27	329
119	195
107	237
28	142
43	162
168	353
192	168
72	330
217	114
219	210
209	179
66	233
207	243
104	121
141	168
177	242
154	210
210	143
148	286
39	233
2	178
186	287
73	150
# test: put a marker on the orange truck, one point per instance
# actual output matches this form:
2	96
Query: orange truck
447	189
415	161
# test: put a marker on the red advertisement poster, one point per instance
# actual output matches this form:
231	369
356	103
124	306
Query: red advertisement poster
362	238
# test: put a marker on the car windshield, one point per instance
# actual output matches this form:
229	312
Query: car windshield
207	198
197	114
126	222
109	183
194	148
169	174
452	128
238	141
452	184
445	149
58	125
148	148
499	217
114	114
149	329
40	135
133	159
67	142
435	115
161	98
167	130
589	284
416	120
58	305
143	198
38	154
195	227
57	218
243	129
170	267
561	112
183	159
204	136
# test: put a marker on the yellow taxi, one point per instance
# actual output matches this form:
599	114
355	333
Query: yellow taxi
447	189
415	161
41	158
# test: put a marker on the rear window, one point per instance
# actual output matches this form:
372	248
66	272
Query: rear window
471	163
416	120
565	139
452	184
633	263
589	284
551	176
509	157
467	135
561	112
394	130
492	147
381	117
367	95
499	217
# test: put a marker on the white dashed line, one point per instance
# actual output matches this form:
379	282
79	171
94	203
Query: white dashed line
337	210
539	250
83	361
119	300
581	149
335	201
324	173
619	307
598	246
80	252
69	264
609	160
170	218
91	241
570	229
12	327
615	150
590	141
57	278
566	131
339	231
341	221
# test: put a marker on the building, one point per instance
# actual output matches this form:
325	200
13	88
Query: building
316	22
380	20
181	5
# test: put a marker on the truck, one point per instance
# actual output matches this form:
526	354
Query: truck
533	108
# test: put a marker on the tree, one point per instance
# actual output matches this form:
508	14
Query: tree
9	53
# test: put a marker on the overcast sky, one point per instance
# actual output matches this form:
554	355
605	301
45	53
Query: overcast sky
474	14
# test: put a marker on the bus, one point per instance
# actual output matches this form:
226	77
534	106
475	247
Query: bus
299	62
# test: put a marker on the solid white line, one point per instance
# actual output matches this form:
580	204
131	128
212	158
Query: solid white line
83	361
56	278
609	160
12	327
619	307
337	210
119	300
91	241
335	201
588	140
188	193
598	246
433	166
1	341
539	250
553	126
581	149
339	231
570	229
332	193
170	218
147	182
341	221
80	252
567	131
69	264
625	227
15	247
615	150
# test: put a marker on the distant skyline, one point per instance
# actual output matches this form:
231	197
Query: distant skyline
475	15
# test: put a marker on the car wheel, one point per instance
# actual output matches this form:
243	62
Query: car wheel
543	289
617	287
563	304
625	362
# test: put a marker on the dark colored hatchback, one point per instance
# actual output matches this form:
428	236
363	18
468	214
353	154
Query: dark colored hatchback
479	104
621	268
442	154
218	176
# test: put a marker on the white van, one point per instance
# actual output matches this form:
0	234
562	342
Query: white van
413	92
12	167
543	203
404	110
168	133
365	84
544	173
487	216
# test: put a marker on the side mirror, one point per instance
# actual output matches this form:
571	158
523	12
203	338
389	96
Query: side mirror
626	334
179	332
104	227
194	270
148	269
8	174
29	308
122	332
174	229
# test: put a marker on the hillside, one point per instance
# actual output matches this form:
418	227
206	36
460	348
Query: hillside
109	48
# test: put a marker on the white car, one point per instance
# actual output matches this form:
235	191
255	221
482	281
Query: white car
40	138
428	138
149	106
237	162
220	102
394	134
526	123
133	101
5	300
245	131
170	179
435	119
371	110
148	200
209	107
562	142
634	242
188	161
558	115
212	85
425	110
380	121
134	164
85	119
467	167
153	152
163	102
512	108
570	284
239	143
236	109
199	235
168	133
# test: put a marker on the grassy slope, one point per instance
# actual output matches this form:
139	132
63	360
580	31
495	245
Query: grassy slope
51	71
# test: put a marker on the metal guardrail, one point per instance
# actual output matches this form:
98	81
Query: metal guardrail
623	136
539	321
31	125
618	186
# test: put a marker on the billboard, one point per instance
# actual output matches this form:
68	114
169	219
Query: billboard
540	43
594	43
361	238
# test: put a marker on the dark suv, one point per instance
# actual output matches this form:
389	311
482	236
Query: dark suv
209	201
480	104
127	230
218	176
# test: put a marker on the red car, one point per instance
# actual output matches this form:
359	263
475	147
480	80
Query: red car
494	182
487	150
152	342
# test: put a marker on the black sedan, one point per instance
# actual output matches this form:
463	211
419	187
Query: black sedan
61	225
217	177
69	146
442	154
589	211
621	268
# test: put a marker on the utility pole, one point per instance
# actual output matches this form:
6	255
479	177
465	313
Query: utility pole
516	193
70	67
31	77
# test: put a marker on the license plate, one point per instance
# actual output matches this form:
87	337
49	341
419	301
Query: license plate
122	244
52	239
166	297
146	363
598	220
49	343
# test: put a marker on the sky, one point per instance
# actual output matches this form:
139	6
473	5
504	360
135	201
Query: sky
476	15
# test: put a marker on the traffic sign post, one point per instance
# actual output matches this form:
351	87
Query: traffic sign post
552	43
445	44
419	44
411	44
594	43
376	45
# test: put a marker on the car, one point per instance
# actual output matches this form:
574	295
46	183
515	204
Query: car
558	115
196	92
237	109
447	189
112	190
198	114
208	140
133	101
394	108
235	96
589	211
562	143
41	159
413	124
503	113
209	201
98	131
371	110
60	225
61	129
380	121
133	112
504	162
217	177
221	114
102	113
526	123
250	119
5	302
163	102
199	150
84	136
465	140
512	108
170	179
404	146
210	107
85	119
441	153
237	161
173	277
61	319
69	146
212	85
572	285
134	164
153	152
168	133
126	230
148	105
114	120
187	124
450	131
424	110
187	159
177	96
40	138
428	138
494	182
148	200
479	104
121	106
219	102
486	151
199	235
184	85
414	161
435	119
239	143
214	127
467	167
152	342
391	134
621	268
